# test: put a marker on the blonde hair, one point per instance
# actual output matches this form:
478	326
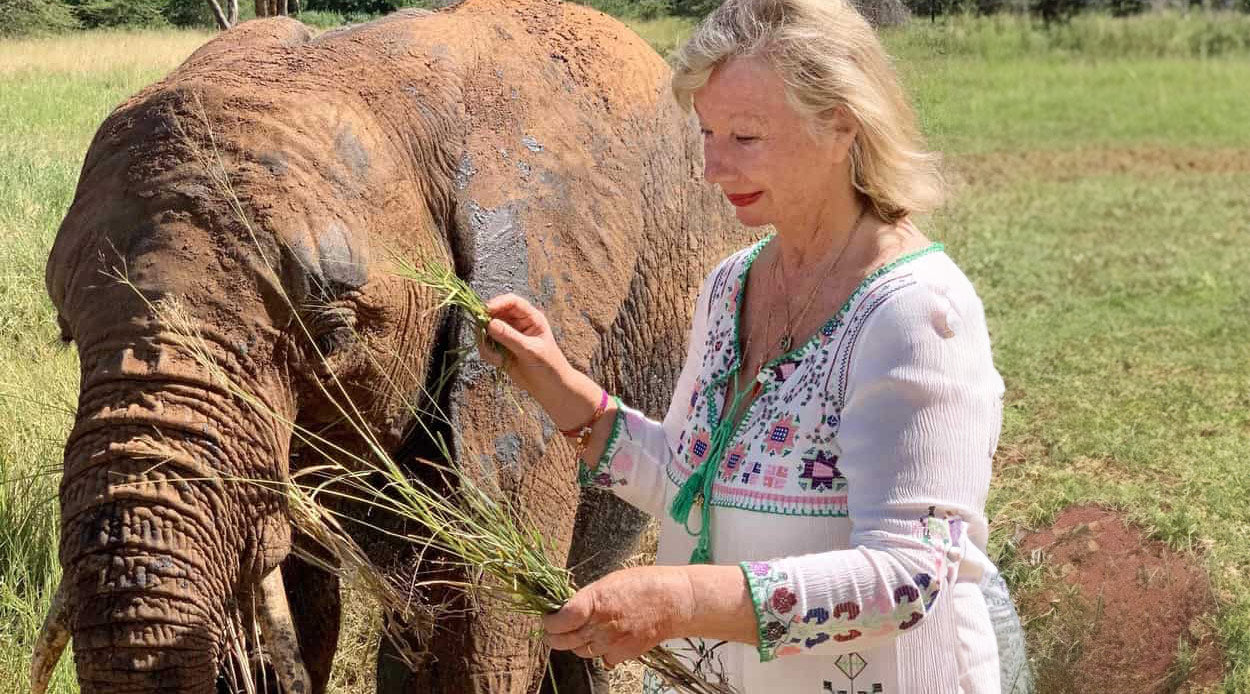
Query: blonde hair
827	55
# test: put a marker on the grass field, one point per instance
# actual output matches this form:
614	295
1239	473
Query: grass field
1100	205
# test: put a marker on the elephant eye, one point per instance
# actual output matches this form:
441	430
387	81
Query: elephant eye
333	328
334	341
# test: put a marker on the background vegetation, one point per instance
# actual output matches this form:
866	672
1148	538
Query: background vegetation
1100	168
38	17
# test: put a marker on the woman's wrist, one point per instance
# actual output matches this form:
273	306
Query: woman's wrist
720	605
575	403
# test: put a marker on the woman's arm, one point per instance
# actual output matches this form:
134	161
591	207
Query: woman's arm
917	434
628	612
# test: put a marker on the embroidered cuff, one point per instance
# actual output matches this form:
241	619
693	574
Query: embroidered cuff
601	476
769	589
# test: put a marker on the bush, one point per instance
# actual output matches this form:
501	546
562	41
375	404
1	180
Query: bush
1052	11
94	14
1090	35
644	9
358	10
33	17
191	13
321	19
1126	8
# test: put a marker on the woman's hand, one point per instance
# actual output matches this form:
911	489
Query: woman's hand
629	612
534	360
623	614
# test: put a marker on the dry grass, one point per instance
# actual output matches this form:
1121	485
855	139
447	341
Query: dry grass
91	53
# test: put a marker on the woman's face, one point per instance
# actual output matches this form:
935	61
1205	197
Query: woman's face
762	152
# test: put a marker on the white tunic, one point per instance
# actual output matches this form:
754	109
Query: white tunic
852	493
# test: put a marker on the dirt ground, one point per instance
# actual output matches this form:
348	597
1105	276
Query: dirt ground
1062	166
1119	613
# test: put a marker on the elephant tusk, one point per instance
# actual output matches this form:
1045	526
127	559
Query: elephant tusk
281	642
50	644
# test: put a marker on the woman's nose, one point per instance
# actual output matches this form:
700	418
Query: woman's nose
715	168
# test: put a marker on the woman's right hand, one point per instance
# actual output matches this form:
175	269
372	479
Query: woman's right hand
533	360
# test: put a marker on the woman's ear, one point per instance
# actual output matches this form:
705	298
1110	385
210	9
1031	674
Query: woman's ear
844	127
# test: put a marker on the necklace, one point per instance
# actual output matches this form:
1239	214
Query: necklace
786	342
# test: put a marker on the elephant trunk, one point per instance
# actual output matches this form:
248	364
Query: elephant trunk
159	534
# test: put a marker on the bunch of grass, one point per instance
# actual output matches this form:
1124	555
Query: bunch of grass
472	526
484	535
451	289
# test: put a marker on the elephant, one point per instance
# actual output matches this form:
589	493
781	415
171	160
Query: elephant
264	186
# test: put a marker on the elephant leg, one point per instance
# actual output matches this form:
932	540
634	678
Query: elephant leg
605	535
316	609
394	676
570	674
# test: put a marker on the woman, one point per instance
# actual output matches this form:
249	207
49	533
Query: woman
822	471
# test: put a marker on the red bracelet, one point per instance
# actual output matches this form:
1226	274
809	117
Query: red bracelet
578	432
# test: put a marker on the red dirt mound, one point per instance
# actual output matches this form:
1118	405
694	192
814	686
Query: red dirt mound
1120	613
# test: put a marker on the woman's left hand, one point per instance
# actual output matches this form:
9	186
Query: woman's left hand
623	614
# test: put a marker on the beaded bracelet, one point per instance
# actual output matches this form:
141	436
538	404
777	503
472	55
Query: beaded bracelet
582	434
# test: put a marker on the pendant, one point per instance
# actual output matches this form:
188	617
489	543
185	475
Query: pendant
786	341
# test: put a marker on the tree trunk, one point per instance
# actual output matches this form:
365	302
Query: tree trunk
223	22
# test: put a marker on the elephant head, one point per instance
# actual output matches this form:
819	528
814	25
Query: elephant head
255	195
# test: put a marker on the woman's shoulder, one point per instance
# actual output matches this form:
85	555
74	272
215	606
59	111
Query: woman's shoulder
926	280
922	304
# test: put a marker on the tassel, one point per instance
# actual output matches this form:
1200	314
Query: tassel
699	487
702	553
684	501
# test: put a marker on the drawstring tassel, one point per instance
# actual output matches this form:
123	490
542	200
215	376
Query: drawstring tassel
684	501
697	489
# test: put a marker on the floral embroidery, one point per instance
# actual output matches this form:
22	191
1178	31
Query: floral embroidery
820	471
783	599
808	382
751	474
851	666
828	329
781	435
906	593
775	476
734	459
784	630
699	447
616	463
849	610
784	370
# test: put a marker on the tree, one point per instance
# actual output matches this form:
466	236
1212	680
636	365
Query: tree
25	17
883	13
230	16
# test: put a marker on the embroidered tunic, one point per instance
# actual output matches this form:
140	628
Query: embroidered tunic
852	492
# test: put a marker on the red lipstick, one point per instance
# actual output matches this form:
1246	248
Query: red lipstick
745	199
